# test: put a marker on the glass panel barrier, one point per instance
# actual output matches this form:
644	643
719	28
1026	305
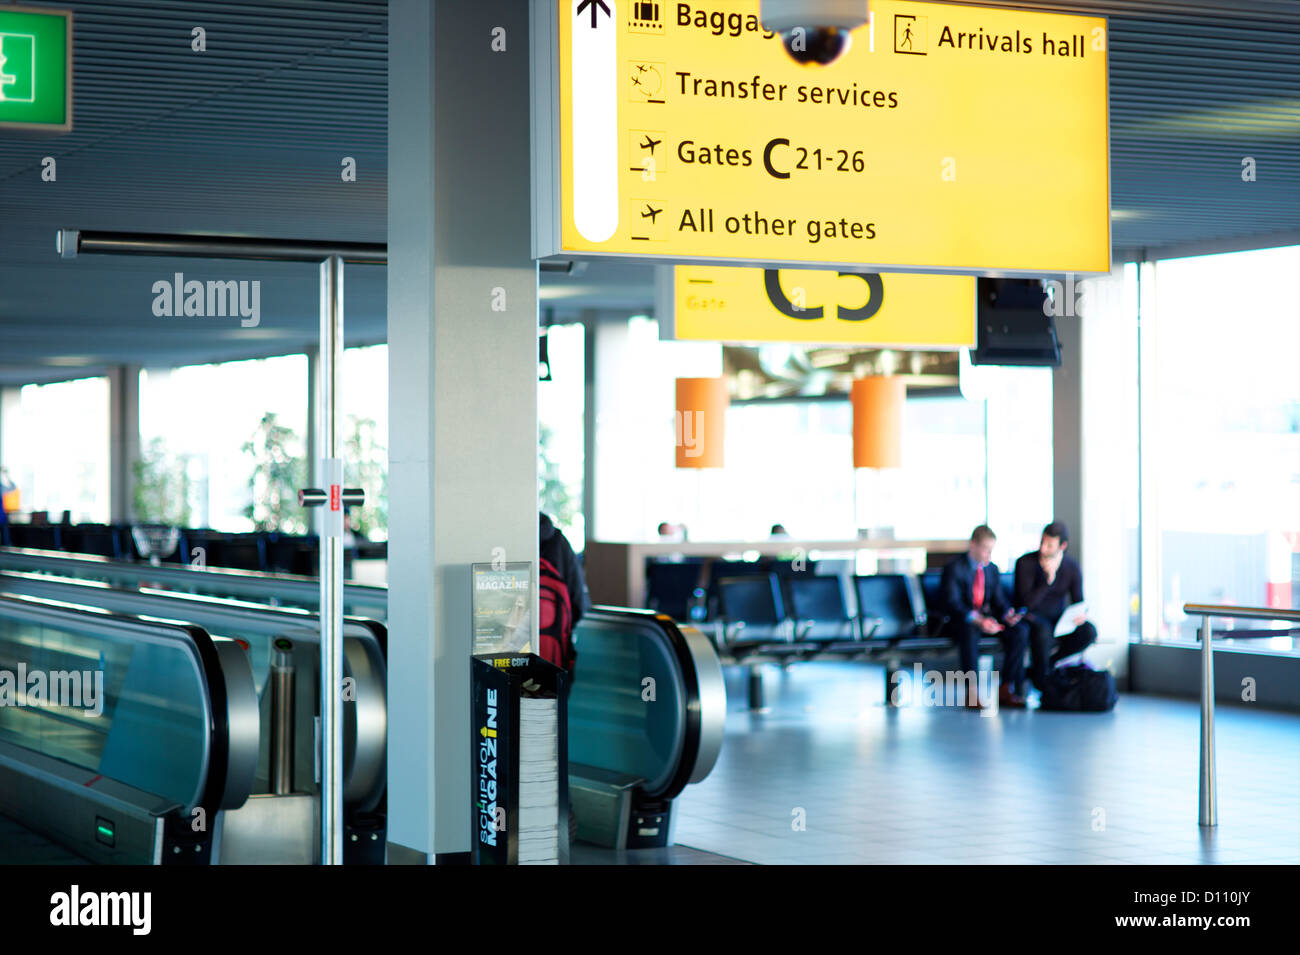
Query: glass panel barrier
127	700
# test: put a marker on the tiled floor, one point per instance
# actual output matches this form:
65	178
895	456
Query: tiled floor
946	785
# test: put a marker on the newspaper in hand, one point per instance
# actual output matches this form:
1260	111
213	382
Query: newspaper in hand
1067	624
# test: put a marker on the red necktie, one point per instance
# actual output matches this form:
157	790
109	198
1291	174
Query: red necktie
977	591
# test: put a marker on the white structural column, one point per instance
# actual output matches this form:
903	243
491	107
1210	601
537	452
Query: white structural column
1149	458
124	440
462	334
1094	445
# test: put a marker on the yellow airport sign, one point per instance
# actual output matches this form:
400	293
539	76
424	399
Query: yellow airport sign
947	138
716	303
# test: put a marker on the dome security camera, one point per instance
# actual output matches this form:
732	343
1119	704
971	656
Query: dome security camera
814	31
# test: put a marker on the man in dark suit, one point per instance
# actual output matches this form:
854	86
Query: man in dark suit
971	592
1047	581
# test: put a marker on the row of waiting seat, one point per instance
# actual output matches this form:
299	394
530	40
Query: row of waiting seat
264	551
810	600
771	614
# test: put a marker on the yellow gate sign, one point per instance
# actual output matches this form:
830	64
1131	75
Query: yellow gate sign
719	304
946	139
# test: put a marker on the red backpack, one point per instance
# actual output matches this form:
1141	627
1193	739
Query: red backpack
555	626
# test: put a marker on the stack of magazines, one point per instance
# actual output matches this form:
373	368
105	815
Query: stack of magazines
539	782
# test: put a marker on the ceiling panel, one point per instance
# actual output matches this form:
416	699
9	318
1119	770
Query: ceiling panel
247	138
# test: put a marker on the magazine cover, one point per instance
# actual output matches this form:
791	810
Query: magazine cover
503	600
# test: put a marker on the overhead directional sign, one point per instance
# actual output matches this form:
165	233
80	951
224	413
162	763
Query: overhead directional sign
714	303
35	68
947	138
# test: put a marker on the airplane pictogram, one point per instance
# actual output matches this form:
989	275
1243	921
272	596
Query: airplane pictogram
646	82
645	158
645	224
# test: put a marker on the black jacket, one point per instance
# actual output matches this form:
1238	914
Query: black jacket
956	588
1047	602
555	547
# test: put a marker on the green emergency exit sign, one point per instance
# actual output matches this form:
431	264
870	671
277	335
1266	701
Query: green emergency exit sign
35	68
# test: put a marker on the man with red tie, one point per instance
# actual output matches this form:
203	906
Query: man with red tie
972	594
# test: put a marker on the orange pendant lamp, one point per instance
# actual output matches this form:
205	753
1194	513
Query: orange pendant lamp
878	421
700	421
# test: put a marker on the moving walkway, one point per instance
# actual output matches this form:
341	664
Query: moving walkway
140	764
633	745
282	646
647	710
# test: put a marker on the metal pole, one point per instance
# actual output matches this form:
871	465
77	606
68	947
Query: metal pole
1209	815
282	711
331	562
1142	603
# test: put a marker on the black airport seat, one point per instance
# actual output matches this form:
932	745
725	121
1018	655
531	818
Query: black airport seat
935	615
787	570
239	551
819	609
718	569
888	612
675	588
752	614
38	536
98	539
291	553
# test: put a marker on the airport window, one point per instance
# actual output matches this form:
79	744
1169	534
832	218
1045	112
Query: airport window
56	449
1227	415
941	487
1017	452
560	451
363	400
788	462
236	431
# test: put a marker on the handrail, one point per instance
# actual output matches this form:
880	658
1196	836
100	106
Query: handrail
1209	810
1244	613
246	583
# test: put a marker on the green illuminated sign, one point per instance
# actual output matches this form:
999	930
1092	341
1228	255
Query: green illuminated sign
35	68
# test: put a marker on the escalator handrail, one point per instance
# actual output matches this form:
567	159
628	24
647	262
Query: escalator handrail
244	610
257	583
